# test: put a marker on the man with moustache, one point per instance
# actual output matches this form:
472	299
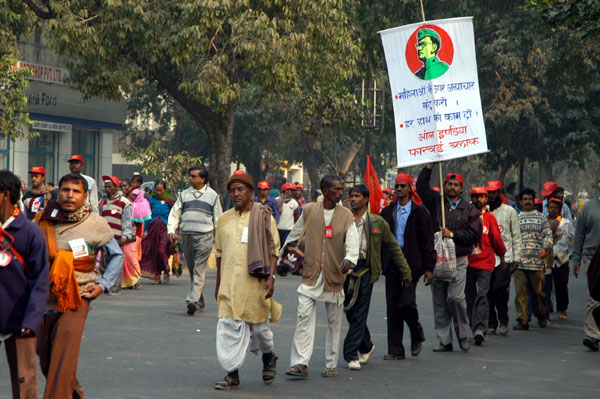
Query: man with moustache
40	193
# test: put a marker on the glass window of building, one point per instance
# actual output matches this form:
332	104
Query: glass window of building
84	143
4	152
41	152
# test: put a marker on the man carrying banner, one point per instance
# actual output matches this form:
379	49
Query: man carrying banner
374	236
463	226
411	225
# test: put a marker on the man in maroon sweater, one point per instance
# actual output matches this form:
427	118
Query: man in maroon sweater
481	266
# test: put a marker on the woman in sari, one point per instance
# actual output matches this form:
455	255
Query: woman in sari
132	251
155	246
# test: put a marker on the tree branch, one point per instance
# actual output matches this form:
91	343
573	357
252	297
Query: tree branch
49	14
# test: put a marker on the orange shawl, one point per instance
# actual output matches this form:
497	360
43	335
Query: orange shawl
62	270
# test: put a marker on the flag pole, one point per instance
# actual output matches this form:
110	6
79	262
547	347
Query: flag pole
440	164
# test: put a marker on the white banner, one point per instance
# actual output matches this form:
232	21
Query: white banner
53	126
435	91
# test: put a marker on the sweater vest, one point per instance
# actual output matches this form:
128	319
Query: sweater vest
197	211
112	211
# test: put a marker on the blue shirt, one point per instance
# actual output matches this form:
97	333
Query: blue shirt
271	203
402	213
453	205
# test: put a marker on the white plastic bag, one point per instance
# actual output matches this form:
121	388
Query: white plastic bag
445	264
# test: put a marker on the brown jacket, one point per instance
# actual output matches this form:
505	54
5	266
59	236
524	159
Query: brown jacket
325	253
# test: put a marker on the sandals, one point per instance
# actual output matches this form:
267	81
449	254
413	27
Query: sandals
299	370
269	367
228	383
327	372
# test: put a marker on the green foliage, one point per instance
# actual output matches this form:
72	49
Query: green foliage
582	16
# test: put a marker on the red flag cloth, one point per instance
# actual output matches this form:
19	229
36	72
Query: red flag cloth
376	195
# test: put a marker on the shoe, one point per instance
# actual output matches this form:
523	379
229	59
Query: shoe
478	338
269	367
491	331
354	365
563	315
521	327
114	293
443	348
416	348
591	343
543	323
464	344
228	382
137	286
191	308
503	329
299	370
364	357
393	357
327	372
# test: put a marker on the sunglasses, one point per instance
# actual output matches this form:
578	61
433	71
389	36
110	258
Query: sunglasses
401	185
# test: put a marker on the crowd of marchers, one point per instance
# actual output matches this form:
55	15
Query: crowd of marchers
61	248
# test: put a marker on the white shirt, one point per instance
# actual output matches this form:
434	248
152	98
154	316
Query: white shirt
286	218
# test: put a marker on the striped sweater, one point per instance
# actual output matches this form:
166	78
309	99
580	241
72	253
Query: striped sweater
536	235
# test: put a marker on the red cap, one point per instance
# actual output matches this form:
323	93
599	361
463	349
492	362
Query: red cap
113	179
404	178
387	190
436	188
494	185
76	157
478	190
38	169
559	202
263	185
455	176
239	172
298	186
287	186
539	201
549	188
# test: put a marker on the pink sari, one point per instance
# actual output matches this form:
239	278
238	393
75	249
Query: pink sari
132	253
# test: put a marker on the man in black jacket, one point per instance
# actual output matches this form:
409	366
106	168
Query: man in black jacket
463	226
411	225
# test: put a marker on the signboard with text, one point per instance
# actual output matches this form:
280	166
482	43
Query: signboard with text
435	91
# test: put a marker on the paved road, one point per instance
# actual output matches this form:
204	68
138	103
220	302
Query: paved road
142	344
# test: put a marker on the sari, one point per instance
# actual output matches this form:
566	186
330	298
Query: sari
155	246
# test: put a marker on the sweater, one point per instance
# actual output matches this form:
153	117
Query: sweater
491	244
536	235
587	232
508	223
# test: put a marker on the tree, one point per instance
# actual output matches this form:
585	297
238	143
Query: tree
203	53
582	16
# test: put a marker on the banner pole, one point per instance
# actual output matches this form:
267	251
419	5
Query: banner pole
422	10
442	197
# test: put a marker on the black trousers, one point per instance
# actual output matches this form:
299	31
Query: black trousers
498	296
560	275
401	304
358	338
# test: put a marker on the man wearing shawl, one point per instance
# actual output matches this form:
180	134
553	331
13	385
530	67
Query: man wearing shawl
411	225
155	246
74	235
508	222
195	213
246	246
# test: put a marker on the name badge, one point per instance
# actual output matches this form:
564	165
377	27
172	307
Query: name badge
245	235
79	248
5	258
328	231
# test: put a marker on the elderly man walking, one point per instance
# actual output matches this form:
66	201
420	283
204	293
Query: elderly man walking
331	250
463	226
195	213
247	247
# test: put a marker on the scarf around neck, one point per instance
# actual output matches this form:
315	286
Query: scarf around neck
55	213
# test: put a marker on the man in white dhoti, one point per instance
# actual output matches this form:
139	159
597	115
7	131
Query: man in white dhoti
246	246
331	250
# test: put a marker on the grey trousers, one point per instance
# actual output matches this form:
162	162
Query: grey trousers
196	250
450	306
478	308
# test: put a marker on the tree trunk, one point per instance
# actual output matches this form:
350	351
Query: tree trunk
221	144
351	154
313	172
506	165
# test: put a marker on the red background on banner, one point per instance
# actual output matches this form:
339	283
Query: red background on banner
445	54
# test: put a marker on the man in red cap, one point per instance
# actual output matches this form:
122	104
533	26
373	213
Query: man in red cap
463	226
499	292
264	198
481	266
411	225
288	210
116	209
75	166
299	195
38	196
551	190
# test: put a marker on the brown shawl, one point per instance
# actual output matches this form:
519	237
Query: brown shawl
261	245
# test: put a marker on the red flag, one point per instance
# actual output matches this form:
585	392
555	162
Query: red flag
376	196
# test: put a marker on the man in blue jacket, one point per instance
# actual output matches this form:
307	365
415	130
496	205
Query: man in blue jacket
23	287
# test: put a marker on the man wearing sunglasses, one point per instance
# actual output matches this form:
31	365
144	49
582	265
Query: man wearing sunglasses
195	214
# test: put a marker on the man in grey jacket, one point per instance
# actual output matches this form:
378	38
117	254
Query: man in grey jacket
195	213
587	239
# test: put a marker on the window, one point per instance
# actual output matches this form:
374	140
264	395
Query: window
4	152
84	144
41	152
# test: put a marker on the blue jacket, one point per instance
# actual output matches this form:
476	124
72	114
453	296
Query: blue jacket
24	292
271	203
